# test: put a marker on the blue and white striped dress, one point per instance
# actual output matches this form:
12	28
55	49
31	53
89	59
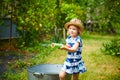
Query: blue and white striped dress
74	63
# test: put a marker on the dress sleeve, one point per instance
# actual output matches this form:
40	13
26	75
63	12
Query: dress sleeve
67	39
79	40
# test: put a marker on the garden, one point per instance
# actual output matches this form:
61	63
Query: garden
41	23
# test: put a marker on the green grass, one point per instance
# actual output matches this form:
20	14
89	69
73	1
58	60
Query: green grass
99	66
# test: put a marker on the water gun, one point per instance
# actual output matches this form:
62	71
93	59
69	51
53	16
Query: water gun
57	45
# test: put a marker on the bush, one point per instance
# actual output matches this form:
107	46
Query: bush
17	68
13	75
112	47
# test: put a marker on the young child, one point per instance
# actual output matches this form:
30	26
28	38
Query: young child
73	63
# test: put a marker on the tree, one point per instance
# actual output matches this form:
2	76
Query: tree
33	18
112	10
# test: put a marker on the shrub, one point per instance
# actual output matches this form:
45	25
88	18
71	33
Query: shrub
112	47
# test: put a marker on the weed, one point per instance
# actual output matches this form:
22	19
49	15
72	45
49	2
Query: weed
112	47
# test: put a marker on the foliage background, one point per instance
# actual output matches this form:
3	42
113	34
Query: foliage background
36	19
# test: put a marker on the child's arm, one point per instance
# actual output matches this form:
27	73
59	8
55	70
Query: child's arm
71	49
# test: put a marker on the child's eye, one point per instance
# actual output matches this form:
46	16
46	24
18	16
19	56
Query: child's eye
70	28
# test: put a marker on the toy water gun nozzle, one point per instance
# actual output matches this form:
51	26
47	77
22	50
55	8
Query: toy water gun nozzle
56	45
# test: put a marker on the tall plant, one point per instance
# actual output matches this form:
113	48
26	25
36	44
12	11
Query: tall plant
33	18
109	17
113	15
70	11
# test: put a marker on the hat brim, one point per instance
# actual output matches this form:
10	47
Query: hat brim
75	24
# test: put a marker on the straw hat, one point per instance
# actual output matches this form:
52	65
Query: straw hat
75	22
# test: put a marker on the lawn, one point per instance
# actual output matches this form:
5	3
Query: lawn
99	66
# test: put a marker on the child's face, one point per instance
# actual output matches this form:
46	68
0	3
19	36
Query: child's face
73	30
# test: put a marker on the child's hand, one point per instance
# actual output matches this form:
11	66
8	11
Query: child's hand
65	47
62	47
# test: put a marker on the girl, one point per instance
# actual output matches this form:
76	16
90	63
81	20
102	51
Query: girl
73	63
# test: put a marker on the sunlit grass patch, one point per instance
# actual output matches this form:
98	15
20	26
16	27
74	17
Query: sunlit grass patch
99	66
57	57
